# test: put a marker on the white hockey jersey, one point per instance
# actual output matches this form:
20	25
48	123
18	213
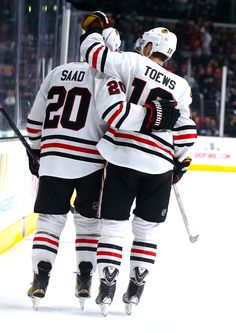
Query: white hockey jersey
64	122
144	80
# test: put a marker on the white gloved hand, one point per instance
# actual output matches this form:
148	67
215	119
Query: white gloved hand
111	38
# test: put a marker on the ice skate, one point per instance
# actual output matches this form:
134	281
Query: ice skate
135	289
40	283
83	283
107	289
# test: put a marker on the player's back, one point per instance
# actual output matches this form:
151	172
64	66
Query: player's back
145	80
64	115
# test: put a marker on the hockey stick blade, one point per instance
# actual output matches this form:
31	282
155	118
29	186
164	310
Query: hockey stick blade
192	238
18	133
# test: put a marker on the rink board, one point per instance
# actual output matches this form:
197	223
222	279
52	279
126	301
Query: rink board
16	232
18	187
17	194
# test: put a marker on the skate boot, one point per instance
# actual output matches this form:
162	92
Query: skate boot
107	289
83	282
135	289
40	283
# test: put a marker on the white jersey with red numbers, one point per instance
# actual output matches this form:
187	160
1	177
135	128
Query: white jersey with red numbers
144	80
64	122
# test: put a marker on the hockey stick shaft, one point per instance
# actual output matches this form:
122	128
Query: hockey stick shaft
18	134
182	210
22	140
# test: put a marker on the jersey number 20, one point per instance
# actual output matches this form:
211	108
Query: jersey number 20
66	101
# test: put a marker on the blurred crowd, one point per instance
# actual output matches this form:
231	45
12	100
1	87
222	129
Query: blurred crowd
203	49
27	45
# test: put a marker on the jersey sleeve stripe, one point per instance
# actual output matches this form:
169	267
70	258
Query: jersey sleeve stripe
104	57
122	119
187	127
181	145
95	56
89	50
105	113
34	122
34	138
184	136
33	130
115	115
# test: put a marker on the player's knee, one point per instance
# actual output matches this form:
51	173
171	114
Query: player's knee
113	228
51	223
144	230
85	224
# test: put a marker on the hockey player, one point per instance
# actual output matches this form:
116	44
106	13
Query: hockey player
140	166
64	128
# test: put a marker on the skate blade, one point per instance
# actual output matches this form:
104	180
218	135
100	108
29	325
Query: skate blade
82	302
82	296
104	309
129	308
133	301
35	302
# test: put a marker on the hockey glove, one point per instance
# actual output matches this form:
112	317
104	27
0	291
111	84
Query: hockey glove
160	115
34	162
180	168
96	20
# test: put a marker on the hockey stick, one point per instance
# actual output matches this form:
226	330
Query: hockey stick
181	207
18	134
22	140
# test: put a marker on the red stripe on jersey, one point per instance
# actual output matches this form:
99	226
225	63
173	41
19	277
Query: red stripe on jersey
44	239
184	136
95	57
32	130
150	253
115	115
92	241
69	147
108	253
133	137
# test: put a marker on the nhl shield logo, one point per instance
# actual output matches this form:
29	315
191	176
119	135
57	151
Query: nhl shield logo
163	213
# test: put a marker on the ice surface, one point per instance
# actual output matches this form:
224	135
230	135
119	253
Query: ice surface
191	289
